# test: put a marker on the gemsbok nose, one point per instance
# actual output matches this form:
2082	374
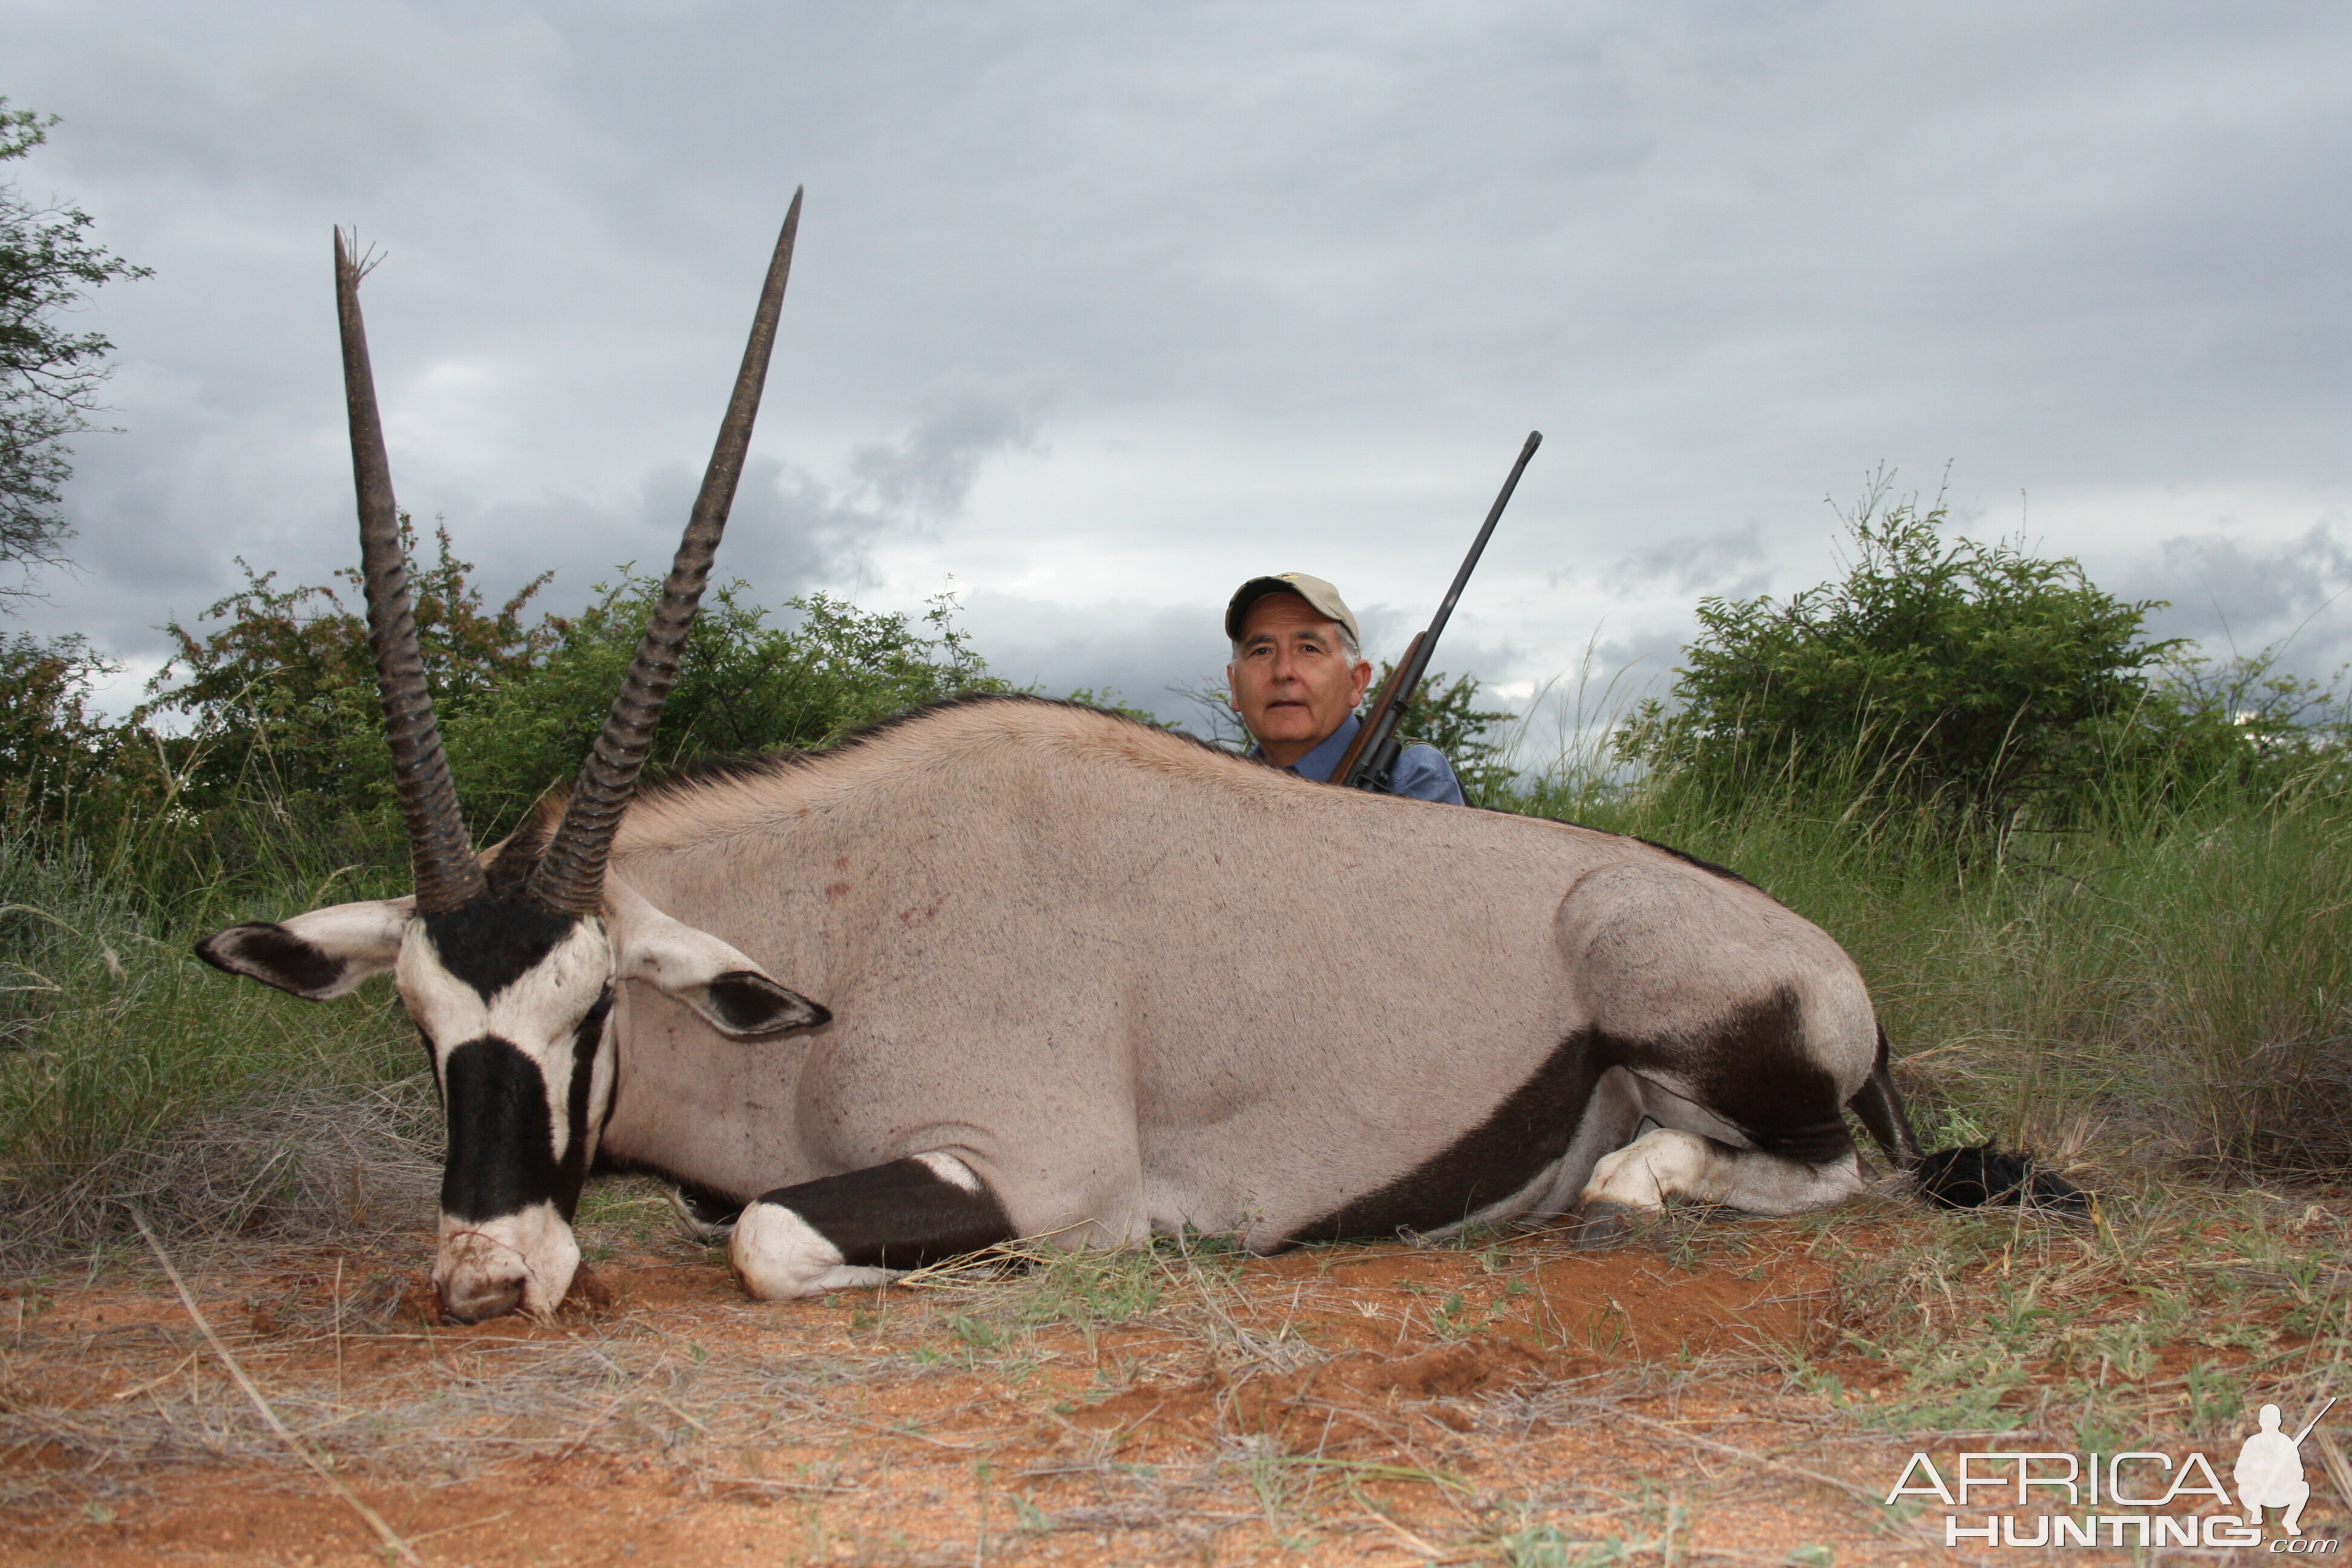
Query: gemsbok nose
480	1300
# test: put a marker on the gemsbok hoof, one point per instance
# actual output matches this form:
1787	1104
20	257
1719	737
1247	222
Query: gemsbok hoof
1601	1223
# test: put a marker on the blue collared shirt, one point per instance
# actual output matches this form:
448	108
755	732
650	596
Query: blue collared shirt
1421	772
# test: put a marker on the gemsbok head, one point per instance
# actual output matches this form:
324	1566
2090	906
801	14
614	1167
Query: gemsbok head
509	970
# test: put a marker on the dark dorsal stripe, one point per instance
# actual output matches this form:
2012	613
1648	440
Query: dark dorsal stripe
898	1216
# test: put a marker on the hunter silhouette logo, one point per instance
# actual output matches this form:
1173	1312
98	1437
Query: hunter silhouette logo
2137	1498
2269	1471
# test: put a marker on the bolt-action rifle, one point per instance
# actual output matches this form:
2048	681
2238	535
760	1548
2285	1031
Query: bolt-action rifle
1372	755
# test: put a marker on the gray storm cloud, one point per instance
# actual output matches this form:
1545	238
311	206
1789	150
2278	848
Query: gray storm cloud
1097	311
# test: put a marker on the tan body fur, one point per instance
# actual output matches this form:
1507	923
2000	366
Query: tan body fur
1135	984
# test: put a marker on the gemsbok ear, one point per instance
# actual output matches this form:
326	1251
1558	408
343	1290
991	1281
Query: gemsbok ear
318	956
706	974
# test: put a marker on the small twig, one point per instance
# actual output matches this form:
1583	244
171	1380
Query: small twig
2331	1459
444	1530
339	1334
384	1533
156	1382
1739	1453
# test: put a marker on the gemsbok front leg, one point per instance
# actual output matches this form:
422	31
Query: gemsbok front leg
1667	1163
866	1228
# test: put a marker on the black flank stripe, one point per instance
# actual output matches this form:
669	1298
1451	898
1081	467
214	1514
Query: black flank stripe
1752	1070
1527	1132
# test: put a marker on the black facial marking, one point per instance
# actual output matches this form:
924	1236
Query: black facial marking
898	1216
1530	1130
1752	1070
492	942
432	1060
501	1153
274	955
573	1173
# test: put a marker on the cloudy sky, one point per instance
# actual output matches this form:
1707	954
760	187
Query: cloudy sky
1101	307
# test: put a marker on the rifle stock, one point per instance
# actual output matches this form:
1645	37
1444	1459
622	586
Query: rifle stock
1373	752
1379	719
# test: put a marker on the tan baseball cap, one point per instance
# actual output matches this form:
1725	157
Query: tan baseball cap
1314	590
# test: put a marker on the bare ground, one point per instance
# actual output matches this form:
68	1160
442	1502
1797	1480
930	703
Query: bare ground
1715	1391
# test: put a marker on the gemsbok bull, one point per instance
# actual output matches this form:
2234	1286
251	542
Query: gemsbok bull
1073	977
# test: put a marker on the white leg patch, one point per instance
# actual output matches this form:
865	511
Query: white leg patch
1671	1164
1643	1174
951	1170
779	1256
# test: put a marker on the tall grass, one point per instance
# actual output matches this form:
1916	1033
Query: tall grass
131	1073
2166	979
2163	983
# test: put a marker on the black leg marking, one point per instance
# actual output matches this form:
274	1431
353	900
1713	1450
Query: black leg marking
1527	1132
1752	1071
903	1214
712	1210
1881	1110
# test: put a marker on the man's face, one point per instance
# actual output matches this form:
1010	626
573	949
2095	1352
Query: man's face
1292	682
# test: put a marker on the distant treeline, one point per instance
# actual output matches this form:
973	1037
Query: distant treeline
1974	681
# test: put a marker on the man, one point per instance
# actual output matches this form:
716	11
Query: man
1299	674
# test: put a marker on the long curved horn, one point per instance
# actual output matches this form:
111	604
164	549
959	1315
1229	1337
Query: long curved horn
446	872
571	874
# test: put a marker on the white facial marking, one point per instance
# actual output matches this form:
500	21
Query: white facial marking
479	1260
780	1256
482	1260
537	1014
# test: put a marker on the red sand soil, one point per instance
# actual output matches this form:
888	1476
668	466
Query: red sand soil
1336	1405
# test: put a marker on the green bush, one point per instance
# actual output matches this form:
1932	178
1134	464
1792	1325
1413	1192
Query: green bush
745	685
1973	676
278	697
56	757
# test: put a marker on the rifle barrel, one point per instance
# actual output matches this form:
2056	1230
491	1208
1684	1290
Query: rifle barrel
1397	695
1478	545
